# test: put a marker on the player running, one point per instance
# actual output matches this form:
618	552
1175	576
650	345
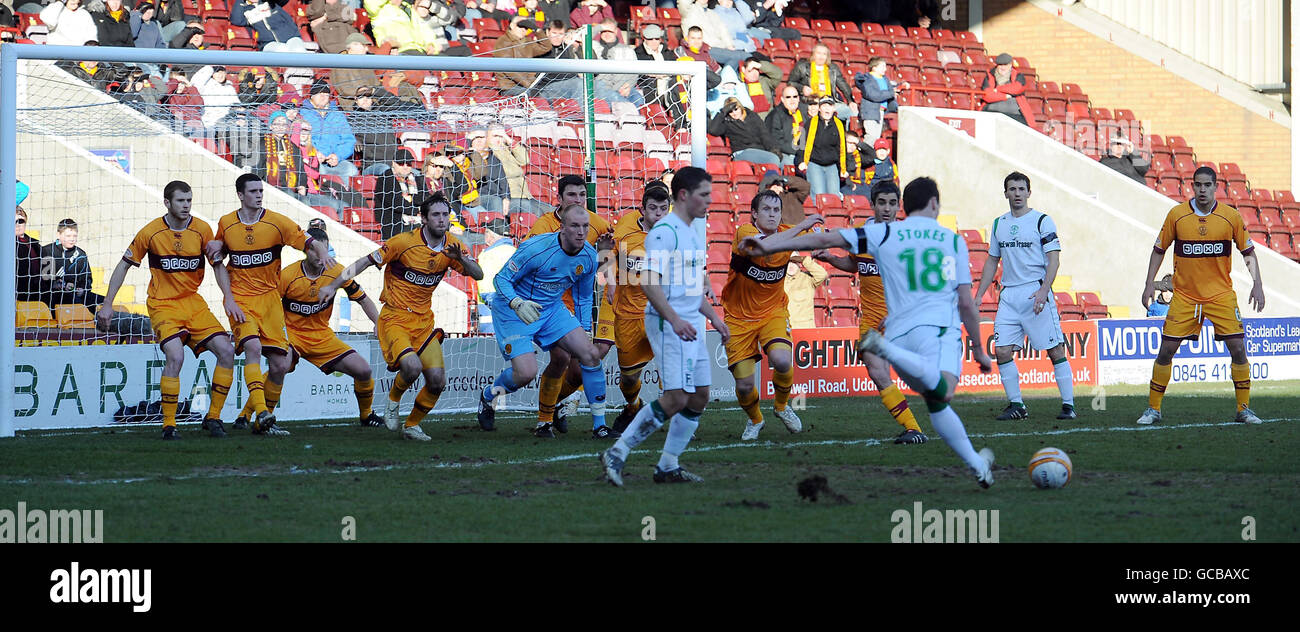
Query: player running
676	262
754	307
871	304
527	308
1203	232
634	351
174	246
1024	240
253	236
308	323
416	261
562	376
926	273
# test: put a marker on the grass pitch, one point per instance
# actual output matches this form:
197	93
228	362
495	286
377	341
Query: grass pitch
1192	478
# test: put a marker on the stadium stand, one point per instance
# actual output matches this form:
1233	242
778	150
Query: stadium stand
943	66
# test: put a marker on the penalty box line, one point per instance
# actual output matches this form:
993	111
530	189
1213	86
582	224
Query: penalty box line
561	458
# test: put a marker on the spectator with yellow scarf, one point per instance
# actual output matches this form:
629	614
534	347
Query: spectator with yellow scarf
825	157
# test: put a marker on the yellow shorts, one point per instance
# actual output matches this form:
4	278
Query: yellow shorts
750	338
187	318
321	348
264	320
605	327
871	320
400	332
633	347
1186	318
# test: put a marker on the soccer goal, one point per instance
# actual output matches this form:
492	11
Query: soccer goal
94	134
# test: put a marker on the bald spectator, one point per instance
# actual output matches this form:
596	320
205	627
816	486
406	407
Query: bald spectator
785	123
516	43
332	21
70	24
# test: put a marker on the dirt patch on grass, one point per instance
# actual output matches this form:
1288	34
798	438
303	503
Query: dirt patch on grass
815	487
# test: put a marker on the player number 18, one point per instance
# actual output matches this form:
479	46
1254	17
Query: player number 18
931	277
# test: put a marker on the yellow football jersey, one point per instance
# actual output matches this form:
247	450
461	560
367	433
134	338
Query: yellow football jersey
1203	249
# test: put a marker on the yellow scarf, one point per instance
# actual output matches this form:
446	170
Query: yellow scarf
796	122
470	196
820	81
812	135
538	16
279	147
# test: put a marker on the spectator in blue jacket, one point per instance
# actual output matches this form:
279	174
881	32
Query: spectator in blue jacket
331	133
879	96
1160	306
274	26
145	29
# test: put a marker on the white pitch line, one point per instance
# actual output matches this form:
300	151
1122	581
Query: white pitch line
294	470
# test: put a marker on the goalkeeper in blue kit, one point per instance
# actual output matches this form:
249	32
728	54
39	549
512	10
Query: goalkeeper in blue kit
528	308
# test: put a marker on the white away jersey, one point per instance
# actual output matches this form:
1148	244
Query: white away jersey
676	252
1023	243
921	264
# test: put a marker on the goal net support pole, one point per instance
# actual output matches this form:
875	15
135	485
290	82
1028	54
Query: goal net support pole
11	54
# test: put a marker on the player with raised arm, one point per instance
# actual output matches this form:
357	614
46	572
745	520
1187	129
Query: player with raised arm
174	246
754	307
1024	240
562	376
634	351
308	323
1203	232
414	264
925	268
676	271
528	308
885	199
252	237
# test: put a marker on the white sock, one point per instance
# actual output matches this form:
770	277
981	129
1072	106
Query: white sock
912	364
1011	381
679	435
642	426
949	426
1065	381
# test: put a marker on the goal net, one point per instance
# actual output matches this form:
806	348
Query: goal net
90	137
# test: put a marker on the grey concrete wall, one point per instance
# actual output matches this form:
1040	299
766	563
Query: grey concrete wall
1107	222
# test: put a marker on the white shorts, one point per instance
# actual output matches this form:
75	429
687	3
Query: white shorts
935	344
1016	319
683	365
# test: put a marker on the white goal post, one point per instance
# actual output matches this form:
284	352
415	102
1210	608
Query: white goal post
11	97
